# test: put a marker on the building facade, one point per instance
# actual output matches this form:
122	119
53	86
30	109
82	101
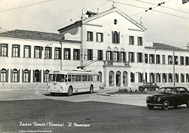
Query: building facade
110	43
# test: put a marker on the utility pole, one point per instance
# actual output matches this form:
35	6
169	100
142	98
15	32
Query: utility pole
173	68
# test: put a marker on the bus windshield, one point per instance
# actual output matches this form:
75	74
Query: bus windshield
58	78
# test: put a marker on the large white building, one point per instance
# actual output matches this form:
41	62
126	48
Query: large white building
110	43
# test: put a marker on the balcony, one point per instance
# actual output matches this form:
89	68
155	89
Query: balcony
116	64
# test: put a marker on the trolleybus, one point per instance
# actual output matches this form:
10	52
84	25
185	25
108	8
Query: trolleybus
72	81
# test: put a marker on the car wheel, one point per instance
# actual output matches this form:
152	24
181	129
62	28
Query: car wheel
165	105
187	103
150	106
91	89
70	91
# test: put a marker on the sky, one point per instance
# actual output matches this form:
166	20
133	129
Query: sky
168	23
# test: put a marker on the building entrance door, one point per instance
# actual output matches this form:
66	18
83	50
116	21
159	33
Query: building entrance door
118	79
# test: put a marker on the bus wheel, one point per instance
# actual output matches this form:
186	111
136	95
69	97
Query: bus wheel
91	89
70	91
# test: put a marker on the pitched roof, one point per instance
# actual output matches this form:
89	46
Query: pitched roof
161	46
95	16
34	35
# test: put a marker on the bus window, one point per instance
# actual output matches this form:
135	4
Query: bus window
78	77
90	78
52	77
60	78
95	77
84	77
69	78
73	78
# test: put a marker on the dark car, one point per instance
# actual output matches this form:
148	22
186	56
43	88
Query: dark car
148	86
167	97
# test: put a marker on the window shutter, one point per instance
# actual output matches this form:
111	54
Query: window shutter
0	49
112	37
78	54
7	75
34	51
43	75
7	50
29	75
69	52
30	51
118	37
111	56
11	71
40	52
12	49
24	51
64	53
22	75
50	52
40	76
33	75
124	57
18	75
18	50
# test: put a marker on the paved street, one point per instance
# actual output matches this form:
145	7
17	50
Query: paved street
87	113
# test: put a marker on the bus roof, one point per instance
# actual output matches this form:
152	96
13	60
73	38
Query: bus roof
77	71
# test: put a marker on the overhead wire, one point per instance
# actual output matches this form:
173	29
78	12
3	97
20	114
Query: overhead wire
149	9
162	6
37	3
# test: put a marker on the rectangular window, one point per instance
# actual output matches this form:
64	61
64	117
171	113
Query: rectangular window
3	49
15	50
67	54
131	40
99	37
15	74
38	52
151	61
109	56
170	59
187	60
176	60
116	56
57	53
27	51
89	36
3	75
163	59
115	37
146	58
140	41
131	57
100	54
76	54
48	53
181	60
139	57
157	59
89	54
26	76
123	57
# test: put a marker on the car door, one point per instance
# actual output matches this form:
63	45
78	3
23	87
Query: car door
175	96
183	95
